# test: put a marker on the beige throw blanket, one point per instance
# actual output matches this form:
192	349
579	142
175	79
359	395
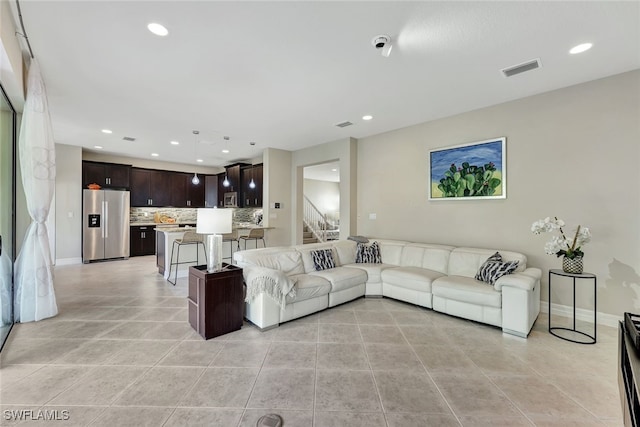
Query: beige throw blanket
272	282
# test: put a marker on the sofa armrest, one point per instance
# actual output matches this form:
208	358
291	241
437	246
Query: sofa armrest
525	280
274	283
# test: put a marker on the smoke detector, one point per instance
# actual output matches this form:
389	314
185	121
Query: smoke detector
382	42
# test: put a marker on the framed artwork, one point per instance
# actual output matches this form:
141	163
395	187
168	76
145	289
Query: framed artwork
477	170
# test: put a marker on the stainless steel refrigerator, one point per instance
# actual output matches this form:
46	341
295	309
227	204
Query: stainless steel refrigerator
105	225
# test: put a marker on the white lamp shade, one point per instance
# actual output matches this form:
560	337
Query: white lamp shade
214	221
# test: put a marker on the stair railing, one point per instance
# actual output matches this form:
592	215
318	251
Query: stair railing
315	220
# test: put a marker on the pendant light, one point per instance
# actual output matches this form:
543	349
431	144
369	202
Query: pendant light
226	182
252	184
195	180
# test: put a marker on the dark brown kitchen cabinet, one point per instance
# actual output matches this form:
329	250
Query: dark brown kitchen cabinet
251	197
160	182
142	240
221	189
107	175
150	187
179	190
210	191
184	193
195	192
233	176
140	187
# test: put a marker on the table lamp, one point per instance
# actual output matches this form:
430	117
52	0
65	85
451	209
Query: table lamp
214	222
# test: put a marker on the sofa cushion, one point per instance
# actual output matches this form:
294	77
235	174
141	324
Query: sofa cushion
346	251
308	286
368	254
283	259
467	261
493	269
373	270
466	289
432	257
415	278
391	250
342	277
323	259
305	253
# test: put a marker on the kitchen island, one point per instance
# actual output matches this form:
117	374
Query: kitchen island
166	235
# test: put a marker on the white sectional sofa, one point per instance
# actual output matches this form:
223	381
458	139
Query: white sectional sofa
439	277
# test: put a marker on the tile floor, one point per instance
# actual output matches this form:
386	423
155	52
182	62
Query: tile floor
121	352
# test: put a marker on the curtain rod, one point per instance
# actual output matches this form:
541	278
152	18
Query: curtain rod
24	33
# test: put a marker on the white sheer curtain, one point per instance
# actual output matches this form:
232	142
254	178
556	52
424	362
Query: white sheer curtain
35	297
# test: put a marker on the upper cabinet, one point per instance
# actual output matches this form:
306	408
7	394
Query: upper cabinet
150	187
107	175
233	177
179	198
210	191
161	188
195	192
221	189
251	197
165	188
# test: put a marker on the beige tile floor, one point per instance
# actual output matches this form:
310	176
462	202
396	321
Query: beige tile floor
121	352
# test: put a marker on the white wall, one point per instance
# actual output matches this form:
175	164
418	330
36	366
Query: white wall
572	153
325	195
277	189
68	206
344	151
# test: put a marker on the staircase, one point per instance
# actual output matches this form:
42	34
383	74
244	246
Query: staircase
307	236
315	222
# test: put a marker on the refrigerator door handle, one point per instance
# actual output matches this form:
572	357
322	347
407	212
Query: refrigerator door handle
106	219
103	219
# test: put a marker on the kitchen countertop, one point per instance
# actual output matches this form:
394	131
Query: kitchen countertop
173	229
158	224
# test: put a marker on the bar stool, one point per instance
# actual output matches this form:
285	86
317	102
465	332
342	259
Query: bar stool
254	234
231	237
189	238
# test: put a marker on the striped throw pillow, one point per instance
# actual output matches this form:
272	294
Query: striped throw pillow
493	269
368	254
323	259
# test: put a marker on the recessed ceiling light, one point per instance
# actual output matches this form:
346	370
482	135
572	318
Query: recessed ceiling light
155	154
175	143
157	29
334	170
99	147
367	117
106	131
225	151
199	160
580	48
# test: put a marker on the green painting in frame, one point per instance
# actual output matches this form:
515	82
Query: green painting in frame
477	170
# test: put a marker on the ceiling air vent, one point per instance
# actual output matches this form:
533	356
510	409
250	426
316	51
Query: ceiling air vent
128	138
344	124
521	68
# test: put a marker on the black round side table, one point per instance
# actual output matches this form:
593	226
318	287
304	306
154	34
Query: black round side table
591	339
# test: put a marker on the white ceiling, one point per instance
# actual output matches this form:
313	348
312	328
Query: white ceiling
282	74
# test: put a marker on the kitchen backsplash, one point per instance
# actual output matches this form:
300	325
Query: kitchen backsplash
182	215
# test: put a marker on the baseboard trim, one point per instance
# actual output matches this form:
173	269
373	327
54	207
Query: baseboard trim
582	314
68	261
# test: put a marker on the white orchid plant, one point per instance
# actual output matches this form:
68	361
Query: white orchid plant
561	245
